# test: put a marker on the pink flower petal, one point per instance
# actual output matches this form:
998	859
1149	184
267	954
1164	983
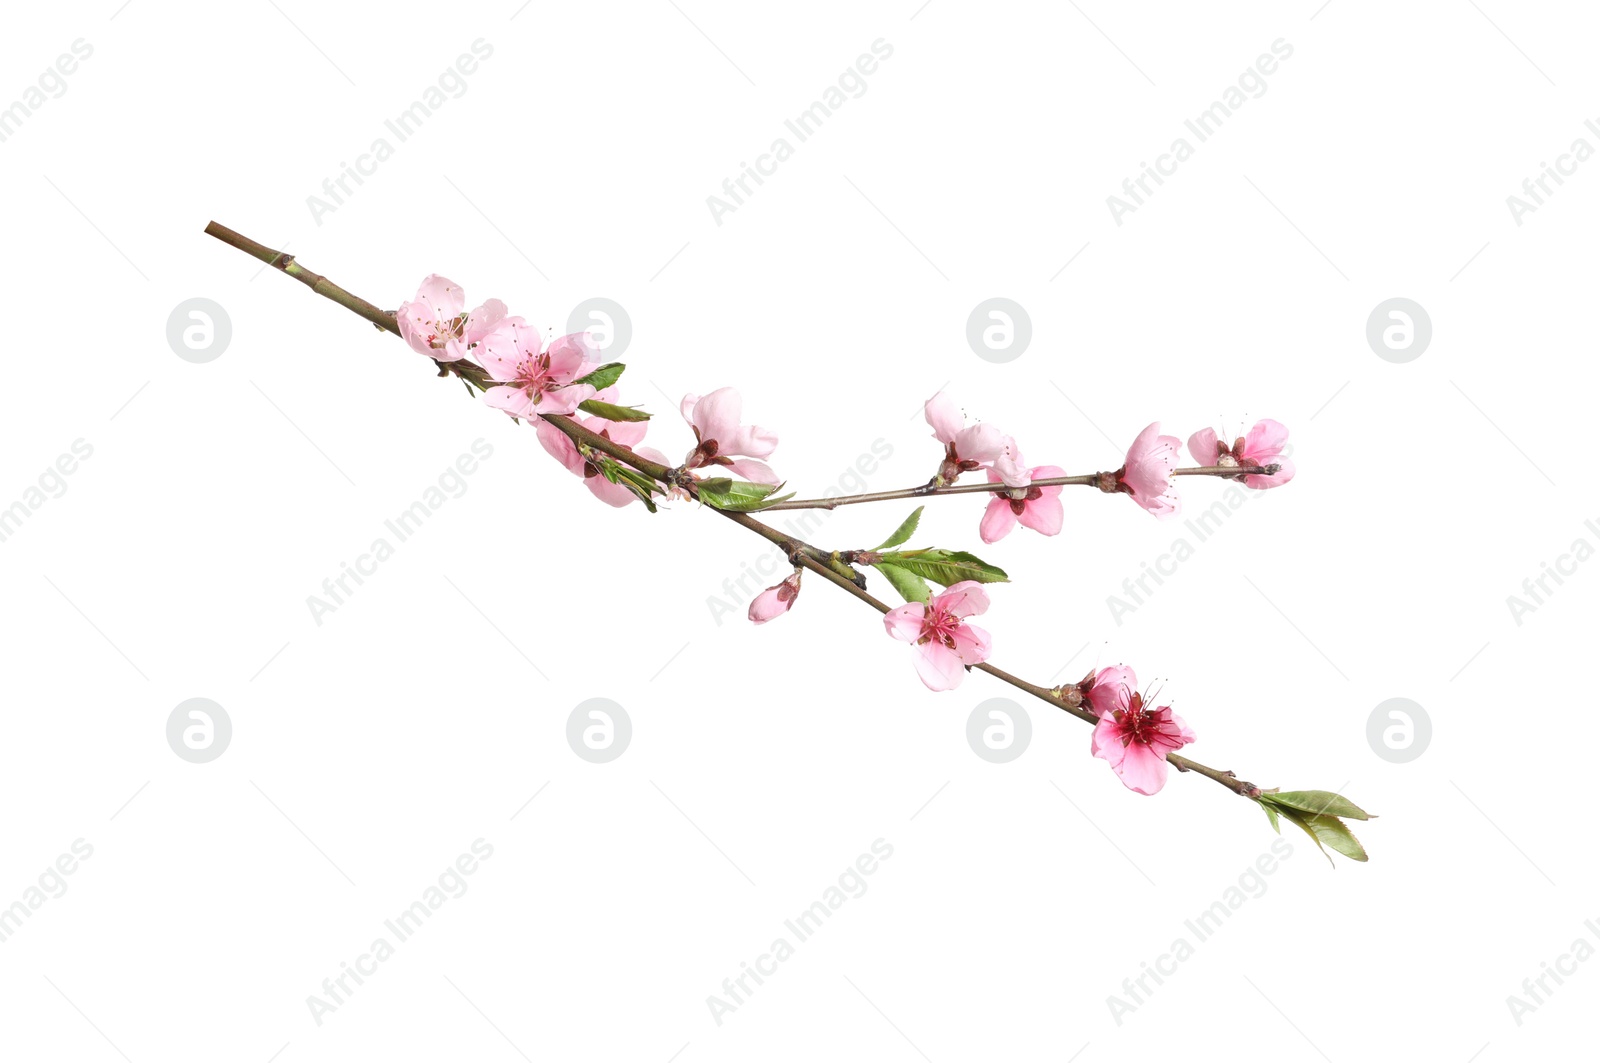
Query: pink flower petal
558	446
972	644
967	598
512	400
1264	442
905	623
938	666
717	415
1044	514
755	471
944	417
1142	769
1203	446
998	519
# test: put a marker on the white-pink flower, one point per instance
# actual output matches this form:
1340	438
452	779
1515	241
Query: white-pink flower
1039	508
1135	741
720	439
435	324
1147	472
775	601
1262	445
530	381
626	433
945	645
966	447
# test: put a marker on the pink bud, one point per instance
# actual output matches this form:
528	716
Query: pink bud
775	601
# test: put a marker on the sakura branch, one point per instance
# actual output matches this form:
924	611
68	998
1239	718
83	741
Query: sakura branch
725	469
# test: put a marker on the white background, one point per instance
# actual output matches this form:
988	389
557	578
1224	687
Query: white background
370	751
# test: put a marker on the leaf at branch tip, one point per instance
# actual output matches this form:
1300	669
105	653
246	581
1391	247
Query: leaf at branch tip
738	496
613	412
909	585
1272	816
603	377
907	529
1318	802
947	566
1326	831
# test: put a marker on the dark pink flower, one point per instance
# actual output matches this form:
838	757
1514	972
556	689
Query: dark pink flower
945	645
1262	445
1135	741
775	601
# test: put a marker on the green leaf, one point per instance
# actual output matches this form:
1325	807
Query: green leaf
603	377
909	585
907	529
1318	802
612	412
947	566
641	485
1326	831
1272	816
739	496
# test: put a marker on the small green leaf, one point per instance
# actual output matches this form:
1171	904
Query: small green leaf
1317	802
603	377
1272	816
612	412
1326	831
947	566
909	585
907	529
738	496
641	485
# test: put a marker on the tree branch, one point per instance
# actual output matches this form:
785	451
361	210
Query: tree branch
809	556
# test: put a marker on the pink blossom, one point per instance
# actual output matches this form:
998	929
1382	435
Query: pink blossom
1147	472
626	433
1135	741
945	646
775	601
1039	508
1262	445
966	447
722	440
433	323
531	382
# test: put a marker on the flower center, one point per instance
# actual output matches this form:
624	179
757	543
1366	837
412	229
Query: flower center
939	626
